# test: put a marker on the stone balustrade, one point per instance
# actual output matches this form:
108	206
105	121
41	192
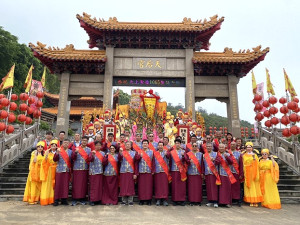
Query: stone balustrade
14	145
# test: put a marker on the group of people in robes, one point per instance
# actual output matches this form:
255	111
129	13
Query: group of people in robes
105	169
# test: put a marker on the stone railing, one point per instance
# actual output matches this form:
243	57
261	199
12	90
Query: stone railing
288	152
14	145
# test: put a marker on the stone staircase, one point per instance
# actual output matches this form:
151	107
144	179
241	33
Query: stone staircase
14	176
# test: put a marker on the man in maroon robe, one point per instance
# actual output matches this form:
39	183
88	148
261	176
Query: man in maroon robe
224	161
80	172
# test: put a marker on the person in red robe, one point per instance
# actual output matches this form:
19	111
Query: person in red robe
80	172
237	170
178	173
162	176
110	141
224	161
212	178
145	178
128	173
195	172
110	180
63	173
96	160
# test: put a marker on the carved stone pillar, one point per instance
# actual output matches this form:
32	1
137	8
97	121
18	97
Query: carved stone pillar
63	113
189	90
233	107
108	78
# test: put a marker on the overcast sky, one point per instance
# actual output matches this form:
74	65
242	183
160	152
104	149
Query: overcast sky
270	23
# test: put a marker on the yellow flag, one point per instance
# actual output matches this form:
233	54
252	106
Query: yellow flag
254	87
8	80
269	84
43	80
28	80
288	85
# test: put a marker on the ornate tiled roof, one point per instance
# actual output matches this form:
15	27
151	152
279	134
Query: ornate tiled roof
229	56
186	25
56	97
74	111
69	53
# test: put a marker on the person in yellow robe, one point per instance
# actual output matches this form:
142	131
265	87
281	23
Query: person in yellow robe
252	192
269	176
33	185
48	175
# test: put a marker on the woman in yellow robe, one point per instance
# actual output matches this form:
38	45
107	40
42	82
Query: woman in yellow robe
252	192
33	186
269	176
48	175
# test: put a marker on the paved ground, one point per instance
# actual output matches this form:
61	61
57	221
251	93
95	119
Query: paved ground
15	212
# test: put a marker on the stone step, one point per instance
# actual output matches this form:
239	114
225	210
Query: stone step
23	174
16	170
288	177
290	200
4	198
288	186
289	181
13	185
12	191
13	179
288	193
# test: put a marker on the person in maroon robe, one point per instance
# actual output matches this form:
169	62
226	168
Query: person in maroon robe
110	179
145	177
224	161
195	173
98	138
80	172
162	175
211	174
96	160
178	173
128	173
237	170
63	173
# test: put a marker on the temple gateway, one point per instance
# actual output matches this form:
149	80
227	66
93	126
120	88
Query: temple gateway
128	52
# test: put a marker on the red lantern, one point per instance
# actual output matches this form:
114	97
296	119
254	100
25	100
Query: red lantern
37	114
273	100
242	135
285	120
266	103
282	100
257	98
23	107
150	92
242	128
259	116
268	123
284	109
252	135
267	113
297	110
293	117
10	129
39	104
210	128
215	128
296	99
30	110
31	100
28	120
24	97
275	120
3	114
4	102
14	97
292	105
294	130
273	110
21	118
13	106
2	126
11	118
258	107
2	96
286	132
253	101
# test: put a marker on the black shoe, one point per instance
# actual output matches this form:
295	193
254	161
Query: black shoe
123	203
182	203
165	203
55	203
158	202
141	203
149	202
199	204
130	203
240	204
64	202
175	203
92	203
192	204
